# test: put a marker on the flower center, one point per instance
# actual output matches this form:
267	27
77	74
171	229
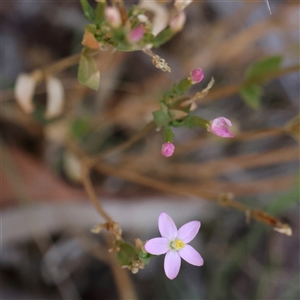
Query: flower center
177	244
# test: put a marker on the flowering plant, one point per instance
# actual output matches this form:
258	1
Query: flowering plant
174	243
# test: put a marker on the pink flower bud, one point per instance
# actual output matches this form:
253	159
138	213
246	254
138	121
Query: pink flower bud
177	22
196	76
136	34
113	16
218	127
167	149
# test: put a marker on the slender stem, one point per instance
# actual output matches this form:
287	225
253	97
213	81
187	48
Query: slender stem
230	90
93	160
224	200
60	65
91	193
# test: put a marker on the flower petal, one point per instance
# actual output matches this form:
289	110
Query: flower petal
167	227
188	231
219	125
157	246
190	255
172	264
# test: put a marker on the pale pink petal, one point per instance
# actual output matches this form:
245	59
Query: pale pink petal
157	246
188	231
219	125
167	149
136	34
166	226
190	255
172	264
196	76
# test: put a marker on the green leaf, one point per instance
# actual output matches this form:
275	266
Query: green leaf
177	123
88	74
99	12
126	254
251	94
91	28
263	67
145	257
182	86
80	127
161	118
89	12
163	37
194	121
168	134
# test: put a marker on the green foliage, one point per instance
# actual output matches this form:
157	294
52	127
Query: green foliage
88	74
89	12
168	134
91	28
250	90
145	257
262	68
80	127
164	36
252	95
160	118
99	13
195	121
127	254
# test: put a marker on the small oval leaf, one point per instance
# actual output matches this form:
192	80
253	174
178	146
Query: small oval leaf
88	74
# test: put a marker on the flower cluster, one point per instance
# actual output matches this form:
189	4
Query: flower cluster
174	243
168	117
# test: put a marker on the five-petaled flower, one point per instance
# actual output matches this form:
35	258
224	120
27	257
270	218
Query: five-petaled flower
218	127
174	243
167	149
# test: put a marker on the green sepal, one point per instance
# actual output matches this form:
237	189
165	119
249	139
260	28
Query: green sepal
90	28
182	86
263	67
177	123
99	12
88	73
178	89
145	257
161	118
126	254
164	36
119	39
89	12
251	94
168	134
195	121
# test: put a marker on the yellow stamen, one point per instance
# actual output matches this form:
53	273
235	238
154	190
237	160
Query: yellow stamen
177	244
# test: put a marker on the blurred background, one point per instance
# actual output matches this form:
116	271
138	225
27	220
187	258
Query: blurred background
47	248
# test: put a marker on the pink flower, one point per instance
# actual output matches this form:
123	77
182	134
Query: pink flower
218	127
196	76
113	16
175	244
167	149
136	34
